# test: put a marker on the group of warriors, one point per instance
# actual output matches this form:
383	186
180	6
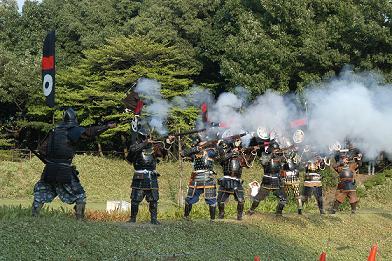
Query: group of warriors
281	167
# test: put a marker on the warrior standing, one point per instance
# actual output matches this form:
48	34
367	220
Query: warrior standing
60	177
203	177
312	181
347	164
231	183
143	154
290	177
271	181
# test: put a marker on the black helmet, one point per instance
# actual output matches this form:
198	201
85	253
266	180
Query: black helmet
142	133
196	139
69	118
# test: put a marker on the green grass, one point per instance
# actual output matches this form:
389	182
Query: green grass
57	236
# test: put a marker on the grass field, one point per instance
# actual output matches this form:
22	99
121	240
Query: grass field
57	236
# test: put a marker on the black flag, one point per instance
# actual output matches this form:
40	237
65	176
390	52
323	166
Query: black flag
48	68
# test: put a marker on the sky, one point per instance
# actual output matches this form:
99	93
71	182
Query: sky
21	2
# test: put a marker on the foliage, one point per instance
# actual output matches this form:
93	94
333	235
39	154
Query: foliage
103	46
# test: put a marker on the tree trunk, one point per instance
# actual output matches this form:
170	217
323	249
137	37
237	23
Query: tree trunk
100	149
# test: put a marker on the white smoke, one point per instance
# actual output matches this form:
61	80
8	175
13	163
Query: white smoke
351	106
156	107
354	107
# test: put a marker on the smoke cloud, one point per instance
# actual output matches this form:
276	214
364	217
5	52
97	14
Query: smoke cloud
351	106
156	107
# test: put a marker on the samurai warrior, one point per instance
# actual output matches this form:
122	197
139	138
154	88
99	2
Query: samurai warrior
347	164
231	184
144	154
203	177
313	181
60	177
271	181
290	177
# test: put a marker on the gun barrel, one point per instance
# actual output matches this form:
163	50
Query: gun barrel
235	136
186	132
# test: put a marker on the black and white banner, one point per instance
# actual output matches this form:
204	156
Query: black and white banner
48	68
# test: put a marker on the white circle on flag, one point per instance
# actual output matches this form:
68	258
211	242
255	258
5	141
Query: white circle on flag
47	84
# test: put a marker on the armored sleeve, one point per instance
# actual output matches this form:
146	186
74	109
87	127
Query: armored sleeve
225	156
212	153
135	148
190	152
91	132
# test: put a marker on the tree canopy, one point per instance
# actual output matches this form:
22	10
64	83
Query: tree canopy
104	46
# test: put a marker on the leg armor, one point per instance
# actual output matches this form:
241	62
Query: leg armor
36	208
152	195
154	212
79	210
44	193
240	210
239	195
222	196
212	212
71	192
263	193
353	207
137	196
335	207
318	191
282	200
187	210
193	195
297	195
255	204
134	211
221	207
279	209
307	194
210	193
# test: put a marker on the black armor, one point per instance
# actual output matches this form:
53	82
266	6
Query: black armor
59	177
271	181
144	158
230	183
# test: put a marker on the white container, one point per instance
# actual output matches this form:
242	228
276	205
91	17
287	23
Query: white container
117	205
